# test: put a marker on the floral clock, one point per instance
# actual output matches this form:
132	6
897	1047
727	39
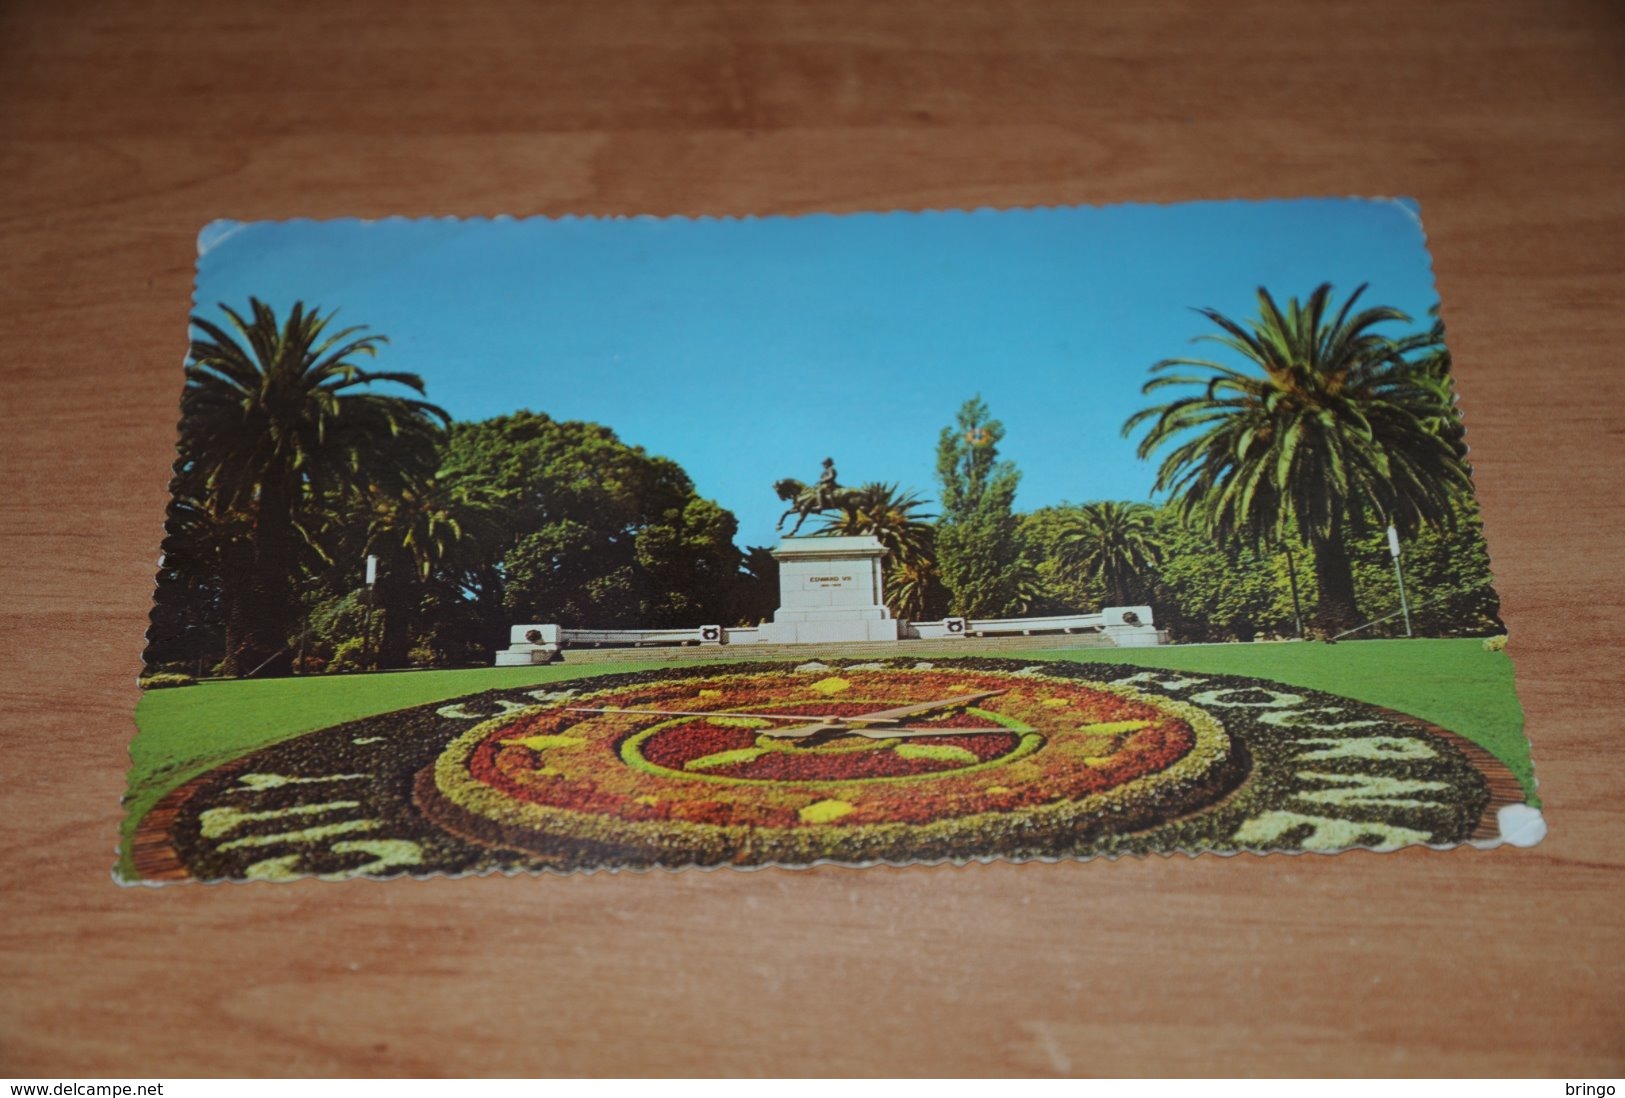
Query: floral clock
852	762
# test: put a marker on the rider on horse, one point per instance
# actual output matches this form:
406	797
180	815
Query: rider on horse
807	500
825	487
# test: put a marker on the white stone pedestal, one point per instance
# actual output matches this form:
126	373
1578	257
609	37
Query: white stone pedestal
830	590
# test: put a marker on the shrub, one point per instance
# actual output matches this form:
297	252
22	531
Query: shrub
1495	644
164	680
177	667
350	656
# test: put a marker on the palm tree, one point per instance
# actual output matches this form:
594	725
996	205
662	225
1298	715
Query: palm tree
1433	371
893	516
1330	424
417	529
1026	586
887	513
275	417
909	587
1115	543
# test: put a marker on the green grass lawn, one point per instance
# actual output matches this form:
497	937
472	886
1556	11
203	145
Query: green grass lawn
1453	683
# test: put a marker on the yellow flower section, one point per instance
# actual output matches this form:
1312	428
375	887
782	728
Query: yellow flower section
1113	728
542	743
939	753
821	812
726	758
738	722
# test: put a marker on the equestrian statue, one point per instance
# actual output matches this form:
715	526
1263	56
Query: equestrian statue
806	500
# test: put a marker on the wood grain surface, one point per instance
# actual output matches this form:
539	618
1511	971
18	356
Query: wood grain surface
125	127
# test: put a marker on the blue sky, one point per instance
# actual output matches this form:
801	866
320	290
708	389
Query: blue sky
748	350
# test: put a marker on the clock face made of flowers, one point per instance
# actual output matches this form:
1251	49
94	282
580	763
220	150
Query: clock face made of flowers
891	761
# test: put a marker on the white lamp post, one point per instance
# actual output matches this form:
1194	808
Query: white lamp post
366	618
1404	605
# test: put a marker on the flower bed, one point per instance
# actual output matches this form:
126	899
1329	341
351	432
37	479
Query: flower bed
1086	759
1075	756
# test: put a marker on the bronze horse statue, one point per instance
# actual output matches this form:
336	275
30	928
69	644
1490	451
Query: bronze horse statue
804	501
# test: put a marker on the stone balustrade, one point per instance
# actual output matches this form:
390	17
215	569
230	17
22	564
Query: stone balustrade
1126	626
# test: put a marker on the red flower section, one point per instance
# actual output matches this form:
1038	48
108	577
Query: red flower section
675	747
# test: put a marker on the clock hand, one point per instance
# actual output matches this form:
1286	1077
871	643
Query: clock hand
808	731
827	724
909	732
801	731
697	713
914	709
879	716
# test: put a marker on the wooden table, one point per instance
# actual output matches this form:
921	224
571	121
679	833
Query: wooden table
125	127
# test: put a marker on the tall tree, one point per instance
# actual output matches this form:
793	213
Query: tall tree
275	418
978	545
1326	422
596	532
755	589
1208	590
1116	544
1060	589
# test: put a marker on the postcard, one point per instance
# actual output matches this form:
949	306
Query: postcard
869	539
